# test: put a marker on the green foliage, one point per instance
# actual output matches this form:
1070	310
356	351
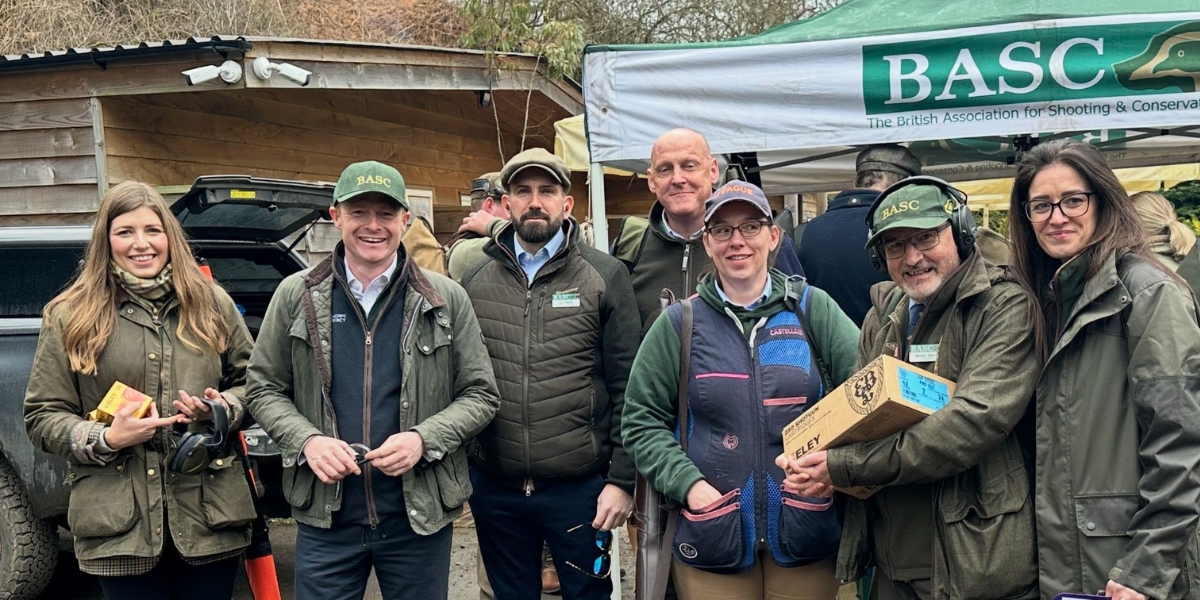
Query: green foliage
997	220
500	26
558	29
1186	198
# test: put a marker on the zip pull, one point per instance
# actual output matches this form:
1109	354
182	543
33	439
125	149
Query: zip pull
687	250
528	487
368	338
528	301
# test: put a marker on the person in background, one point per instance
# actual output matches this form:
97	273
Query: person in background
371	375
665	250
1117	446
953	516
488	213
1168	238
141	313
762	345
423	247
832	251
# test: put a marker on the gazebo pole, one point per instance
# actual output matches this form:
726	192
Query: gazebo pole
596	200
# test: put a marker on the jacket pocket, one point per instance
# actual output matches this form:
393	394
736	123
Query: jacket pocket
1103	522
453	484
102	502
809	528
981	530
712	537
225	497
298	484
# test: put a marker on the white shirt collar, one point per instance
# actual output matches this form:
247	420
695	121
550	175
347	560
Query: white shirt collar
763	298
383	278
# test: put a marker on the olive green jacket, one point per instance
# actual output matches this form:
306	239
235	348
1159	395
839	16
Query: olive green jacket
116	509
982	512
1118	438
448	392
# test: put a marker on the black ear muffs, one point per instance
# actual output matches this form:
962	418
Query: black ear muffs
962	222
193	449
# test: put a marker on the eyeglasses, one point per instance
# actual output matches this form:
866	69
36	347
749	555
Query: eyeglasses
1071	205
749	229
603	563
926	240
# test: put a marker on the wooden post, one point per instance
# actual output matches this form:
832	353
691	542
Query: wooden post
101	149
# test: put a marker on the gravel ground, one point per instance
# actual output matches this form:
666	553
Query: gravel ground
70	584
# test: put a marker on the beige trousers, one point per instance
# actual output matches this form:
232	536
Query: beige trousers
765	581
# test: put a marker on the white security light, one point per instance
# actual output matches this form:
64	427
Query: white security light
229	72
263	68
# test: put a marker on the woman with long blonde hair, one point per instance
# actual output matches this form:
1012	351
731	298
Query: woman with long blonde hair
1169	239
149	523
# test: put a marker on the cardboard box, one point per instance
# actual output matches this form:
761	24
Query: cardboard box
886	396
117	397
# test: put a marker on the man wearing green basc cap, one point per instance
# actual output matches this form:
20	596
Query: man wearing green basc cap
953	517
371	374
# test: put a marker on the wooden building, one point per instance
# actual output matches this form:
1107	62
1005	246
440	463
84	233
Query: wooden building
74	122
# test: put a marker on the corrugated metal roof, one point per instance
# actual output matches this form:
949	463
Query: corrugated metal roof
100	54
103	54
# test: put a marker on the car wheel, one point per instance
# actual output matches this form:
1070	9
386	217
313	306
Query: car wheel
28	545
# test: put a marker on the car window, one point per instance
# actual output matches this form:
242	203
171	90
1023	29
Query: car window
33	276
241	274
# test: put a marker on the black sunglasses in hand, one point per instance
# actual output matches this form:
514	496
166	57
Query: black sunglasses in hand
360	453
603	563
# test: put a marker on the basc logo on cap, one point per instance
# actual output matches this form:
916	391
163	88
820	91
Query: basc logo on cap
373	180
900	207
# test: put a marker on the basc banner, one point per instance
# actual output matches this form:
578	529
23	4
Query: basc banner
1057	75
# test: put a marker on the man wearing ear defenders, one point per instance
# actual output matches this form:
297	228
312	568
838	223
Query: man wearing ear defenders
954	518
371	374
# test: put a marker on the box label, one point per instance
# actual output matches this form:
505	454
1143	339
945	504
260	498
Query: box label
919	389
863	389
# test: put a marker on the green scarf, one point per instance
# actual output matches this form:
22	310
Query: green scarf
152	290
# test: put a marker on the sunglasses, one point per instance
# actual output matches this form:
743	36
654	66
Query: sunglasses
360	453
191	450
603	563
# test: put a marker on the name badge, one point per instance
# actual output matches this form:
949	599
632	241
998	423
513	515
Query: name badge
922	353
567	299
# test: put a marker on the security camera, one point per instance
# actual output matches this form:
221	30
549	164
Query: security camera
229	72
263	68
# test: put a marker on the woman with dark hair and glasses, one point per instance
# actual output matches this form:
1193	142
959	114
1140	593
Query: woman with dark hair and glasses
141	312
1117	404
763	348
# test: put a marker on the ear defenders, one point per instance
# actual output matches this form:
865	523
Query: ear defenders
193	448
962	222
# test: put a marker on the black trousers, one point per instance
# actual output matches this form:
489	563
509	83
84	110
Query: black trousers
173	579
883	588
512	527
335	563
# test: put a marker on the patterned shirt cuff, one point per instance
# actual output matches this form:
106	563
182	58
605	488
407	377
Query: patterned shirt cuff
87	446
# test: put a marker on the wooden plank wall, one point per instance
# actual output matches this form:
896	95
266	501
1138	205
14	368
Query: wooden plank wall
439	140
47	165
433	138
